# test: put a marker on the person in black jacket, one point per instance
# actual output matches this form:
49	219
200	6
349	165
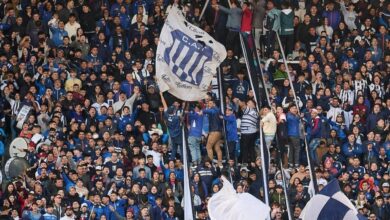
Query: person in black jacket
88	22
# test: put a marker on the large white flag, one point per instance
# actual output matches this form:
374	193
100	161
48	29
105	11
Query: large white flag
187	58
228	205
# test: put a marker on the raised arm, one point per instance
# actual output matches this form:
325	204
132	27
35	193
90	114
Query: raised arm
163	102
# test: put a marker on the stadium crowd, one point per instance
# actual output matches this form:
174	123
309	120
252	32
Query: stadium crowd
104	143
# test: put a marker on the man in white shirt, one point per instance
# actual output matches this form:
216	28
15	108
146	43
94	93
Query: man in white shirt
334	109
71	26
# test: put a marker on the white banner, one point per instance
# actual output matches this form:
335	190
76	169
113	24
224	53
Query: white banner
21	118
187	58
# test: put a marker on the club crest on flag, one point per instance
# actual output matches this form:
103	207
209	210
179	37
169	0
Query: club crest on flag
187	58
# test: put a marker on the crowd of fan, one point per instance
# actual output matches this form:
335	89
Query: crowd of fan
108	144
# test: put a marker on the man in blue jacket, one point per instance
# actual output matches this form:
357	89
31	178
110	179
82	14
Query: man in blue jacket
173	122
119	206
231	131
293	123
195	134
351	148
215	131
58	33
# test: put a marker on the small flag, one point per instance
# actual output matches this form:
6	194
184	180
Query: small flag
187	58
229	205
330	203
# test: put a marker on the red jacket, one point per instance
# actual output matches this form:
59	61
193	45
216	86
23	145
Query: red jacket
246	21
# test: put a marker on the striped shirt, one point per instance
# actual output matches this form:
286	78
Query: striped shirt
249	121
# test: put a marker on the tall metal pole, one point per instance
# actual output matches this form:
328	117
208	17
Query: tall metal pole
222	104
204	9
188	205
309	161
262	148
284	179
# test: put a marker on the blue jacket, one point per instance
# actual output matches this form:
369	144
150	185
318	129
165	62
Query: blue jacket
99	210
334	18
355	150
68	182
156	212
125	120
196	123
231	127
179	173
125	21
173	124
97	62
215	123
292	125
120	206
58	35
127	88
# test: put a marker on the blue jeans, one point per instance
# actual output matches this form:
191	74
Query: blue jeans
268	140
312	147
194	145
176	144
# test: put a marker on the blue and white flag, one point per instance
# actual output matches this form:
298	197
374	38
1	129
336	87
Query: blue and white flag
187	58
330	204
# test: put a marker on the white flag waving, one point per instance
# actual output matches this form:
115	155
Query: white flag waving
186	59
228	205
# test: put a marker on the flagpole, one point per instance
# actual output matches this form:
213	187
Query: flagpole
309	161
262	148
284	180
221	97
188	202
203	10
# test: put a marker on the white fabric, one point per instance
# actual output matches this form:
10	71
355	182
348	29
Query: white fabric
228	205
339	196
187	58
314	207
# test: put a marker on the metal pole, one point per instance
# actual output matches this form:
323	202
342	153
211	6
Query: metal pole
309	162
262	150
289	213
222	104
203	10
188	208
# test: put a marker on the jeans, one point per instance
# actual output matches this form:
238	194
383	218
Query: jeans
268	139
194	145
294	150
312	147
176	144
